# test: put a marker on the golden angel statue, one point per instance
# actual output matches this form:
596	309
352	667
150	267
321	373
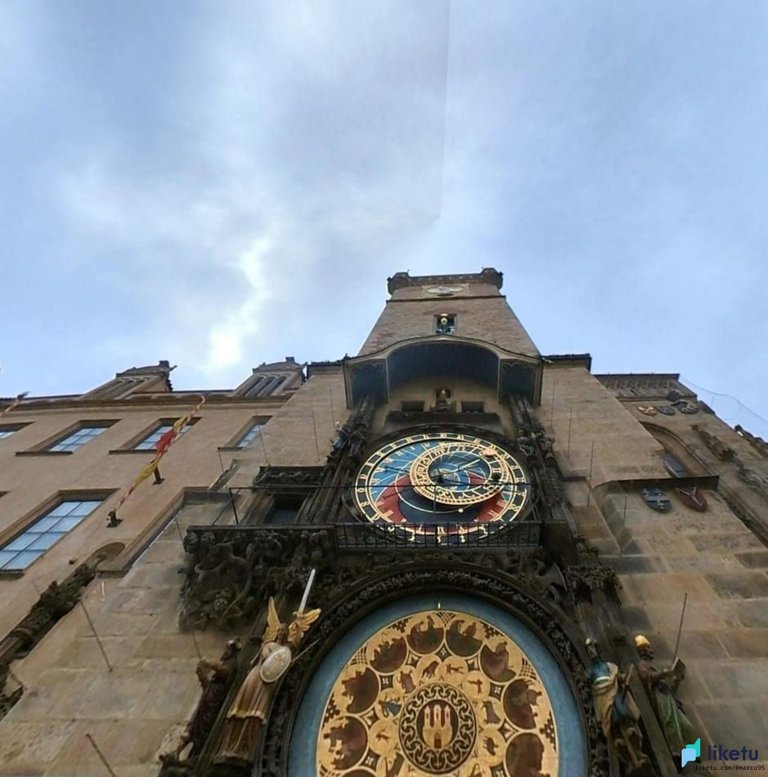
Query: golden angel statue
245	717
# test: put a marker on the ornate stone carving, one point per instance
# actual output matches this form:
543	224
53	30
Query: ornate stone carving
539	450
352	438
288	480
8	696
222	585
55	602
753	478
758	443
715	444
589	575
231	571
650	386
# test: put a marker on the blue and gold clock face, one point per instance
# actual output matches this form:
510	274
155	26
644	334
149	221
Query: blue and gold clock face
457	483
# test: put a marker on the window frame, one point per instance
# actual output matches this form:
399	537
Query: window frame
44	448
101	424
234	442
452	323
21	527
149	431
256	426
11	429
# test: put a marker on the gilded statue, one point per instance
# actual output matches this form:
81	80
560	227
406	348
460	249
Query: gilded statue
245	717
616	709
662	686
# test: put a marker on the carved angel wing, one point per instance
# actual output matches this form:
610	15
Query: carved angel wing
300	625
273	622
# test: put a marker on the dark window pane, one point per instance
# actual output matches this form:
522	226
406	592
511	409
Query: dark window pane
675	466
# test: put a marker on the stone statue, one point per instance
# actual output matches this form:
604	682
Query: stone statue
752	478
246	715
662	685
715	444
443	404
616	709
214	677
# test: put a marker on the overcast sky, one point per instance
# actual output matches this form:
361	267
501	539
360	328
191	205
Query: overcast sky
222	184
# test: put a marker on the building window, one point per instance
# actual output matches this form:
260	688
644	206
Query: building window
45	532
475	408
284	510
251	433
674	466
445	323
6	430
79	437
149	443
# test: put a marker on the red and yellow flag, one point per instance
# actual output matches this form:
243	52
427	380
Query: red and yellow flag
161	448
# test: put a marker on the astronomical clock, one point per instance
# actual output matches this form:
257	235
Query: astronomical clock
438	683
449	483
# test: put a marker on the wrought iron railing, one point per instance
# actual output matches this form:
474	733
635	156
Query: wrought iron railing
362	536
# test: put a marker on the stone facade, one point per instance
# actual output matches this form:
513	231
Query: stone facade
113	667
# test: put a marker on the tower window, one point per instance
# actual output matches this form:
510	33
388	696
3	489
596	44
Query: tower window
45	532
412	407
445	323
473	407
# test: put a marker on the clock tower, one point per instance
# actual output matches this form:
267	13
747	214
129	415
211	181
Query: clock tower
456	595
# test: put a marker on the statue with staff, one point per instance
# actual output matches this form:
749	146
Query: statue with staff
247	713
662	685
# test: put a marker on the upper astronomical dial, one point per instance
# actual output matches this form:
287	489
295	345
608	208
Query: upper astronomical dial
459	472
456	481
